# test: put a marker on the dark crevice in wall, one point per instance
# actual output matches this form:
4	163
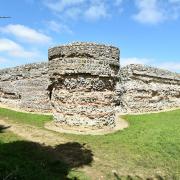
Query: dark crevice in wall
154	93
9	95
71	55
50	90
79	55
178	96
162	80
155	80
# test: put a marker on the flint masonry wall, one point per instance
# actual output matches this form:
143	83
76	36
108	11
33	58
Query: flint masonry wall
83	78
26	87
144	89
83	87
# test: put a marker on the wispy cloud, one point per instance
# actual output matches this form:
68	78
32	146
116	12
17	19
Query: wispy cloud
26	34
15	50
21	44
3	60
61	5
73	13
96	11
156	11
74	9
174	1
118	2
149	12
58	27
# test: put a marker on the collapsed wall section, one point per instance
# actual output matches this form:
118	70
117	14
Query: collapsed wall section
144	89
83	78
26	87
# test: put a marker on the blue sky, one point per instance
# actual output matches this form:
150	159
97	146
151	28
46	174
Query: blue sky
146	31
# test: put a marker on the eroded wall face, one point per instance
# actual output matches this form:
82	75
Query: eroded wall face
84	101
83	80
145	89
83	86
26	87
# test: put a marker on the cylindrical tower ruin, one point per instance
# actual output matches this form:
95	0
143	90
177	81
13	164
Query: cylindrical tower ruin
83	77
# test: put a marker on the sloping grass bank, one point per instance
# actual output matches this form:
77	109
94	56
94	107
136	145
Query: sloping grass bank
25	118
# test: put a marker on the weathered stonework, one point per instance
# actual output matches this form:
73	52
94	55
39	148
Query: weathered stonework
144	89
26	87
83	77
84	88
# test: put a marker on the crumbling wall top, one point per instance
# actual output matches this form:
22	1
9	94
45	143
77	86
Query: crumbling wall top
24	71
90	58
148	71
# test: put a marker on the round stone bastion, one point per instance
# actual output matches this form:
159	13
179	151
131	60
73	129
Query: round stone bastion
83	79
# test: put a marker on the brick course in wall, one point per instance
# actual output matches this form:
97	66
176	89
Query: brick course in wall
83	77
145	89
83	86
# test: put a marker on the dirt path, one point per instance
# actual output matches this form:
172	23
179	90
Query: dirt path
33	133
45	137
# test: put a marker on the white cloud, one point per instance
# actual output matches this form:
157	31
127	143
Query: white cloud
59	27
149	12
80	9
174	1
176	8
8	45
26	34
14	49
156	11
73	13
61	5
96	12
118	2
2	60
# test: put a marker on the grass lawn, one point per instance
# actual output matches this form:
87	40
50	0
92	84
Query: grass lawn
149	148
27	118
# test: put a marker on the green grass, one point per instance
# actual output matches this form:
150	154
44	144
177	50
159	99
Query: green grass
25	160
150	147
25	118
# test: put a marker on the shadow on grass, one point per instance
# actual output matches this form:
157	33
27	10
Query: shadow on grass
2	128
25	160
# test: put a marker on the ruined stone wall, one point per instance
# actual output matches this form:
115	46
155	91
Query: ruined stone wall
83	77
83	86
144	89
25	87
